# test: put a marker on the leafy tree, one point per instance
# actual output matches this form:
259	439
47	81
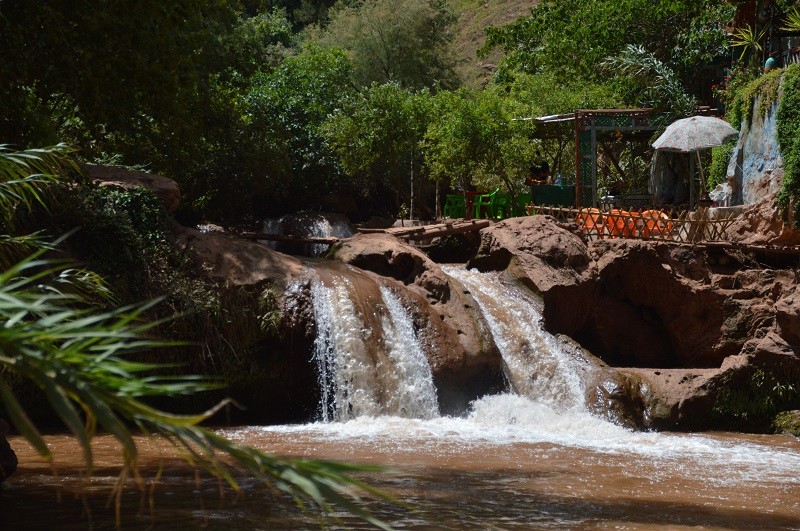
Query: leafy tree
408	42
293	102
109	65
543	95
146	82
478	140
571	38
87	362
659	87
378	135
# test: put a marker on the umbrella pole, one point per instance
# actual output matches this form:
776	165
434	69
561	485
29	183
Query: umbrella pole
702	178
691	183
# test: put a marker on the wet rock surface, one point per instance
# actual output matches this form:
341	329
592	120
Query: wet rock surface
691	345
464	360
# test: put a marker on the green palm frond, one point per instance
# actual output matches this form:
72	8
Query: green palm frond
12	248
661	87
27	178
748	40
792	21
89	363
85	361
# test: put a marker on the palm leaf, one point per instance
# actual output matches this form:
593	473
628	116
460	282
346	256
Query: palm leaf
749	40
792	21
54	336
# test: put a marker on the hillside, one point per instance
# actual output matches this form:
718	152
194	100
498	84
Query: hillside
475	16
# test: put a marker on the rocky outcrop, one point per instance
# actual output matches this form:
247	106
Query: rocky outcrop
762	223
165	189
755	168
552	259
755	172
464	360
234	261
682	335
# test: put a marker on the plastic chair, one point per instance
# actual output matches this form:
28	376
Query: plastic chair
454	206
521	201
503	206
485	205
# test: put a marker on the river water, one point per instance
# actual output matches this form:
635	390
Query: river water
510	464
530	458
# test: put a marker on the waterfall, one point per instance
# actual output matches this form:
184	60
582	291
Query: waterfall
536	365
369	359
307	225
415	394
272	226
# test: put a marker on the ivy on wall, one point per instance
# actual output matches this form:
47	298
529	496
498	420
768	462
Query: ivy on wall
789	141
766	90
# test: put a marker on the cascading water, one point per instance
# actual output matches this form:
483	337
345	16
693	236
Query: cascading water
368	364
416	394
307	225
535	363
273	227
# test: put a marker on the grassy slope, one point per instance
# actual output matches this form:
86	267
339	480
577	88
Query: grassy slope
475	16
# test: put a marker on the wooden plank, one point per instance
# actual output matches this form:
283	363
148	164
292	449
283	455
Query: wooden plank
435	231
281	238
425	232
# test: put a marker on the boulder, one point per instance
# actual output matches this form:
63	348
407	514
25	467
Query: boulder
550	258
165	189
270	363
546	252
387	256
228	259
464	360
743	394
762	223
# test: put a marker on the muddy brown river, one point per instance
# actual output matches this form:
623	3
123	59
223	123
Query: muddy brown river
510	464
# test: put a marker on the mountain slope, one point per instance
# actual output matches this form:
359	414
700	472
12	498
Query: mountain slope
474	17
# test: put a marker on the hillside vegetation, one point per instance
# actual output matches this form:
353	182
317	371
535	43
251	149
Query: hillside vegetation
474	17
263	107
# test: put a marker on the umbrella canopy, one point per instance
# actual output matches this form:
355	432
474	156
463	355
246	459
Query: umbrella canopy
695	133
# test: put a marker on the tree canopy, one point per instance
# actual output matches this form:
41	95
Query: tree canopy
408	42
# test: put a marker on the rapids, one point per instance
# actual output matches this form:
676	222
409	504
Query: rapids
532	457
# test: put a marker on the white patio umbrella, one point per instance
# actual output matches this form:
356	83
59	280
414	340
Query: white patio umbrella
693	134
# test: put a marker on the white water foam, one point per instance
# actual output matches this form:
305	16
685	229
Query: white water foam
551	413
535	364
273	227
504	420
355	379
347	376
415	395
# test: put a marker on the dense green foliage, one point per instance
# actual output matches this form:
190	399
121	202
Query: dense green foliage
377	137
292	103
408	42
88	361
754	404
260	107
789	139
571	38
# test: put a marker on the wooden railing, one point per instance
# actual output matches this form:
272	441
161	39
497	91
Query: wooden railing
674	226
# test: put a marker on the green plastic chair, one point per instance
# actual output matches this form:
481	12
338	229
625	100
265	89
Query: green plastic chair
485	205
503	206
522	200
454	206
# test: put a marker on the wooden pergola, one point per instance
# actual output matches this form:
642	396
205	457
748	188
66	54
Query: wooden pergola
593	129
